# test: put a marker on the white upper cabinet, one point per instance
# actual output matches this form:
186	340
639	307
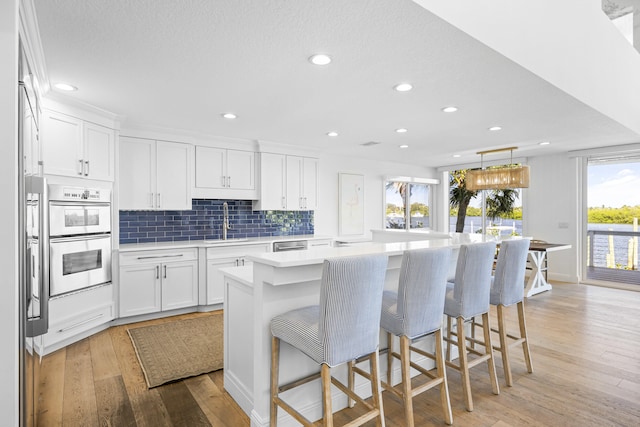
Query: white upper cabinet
287	182
77	148
273	186
225	173
154	175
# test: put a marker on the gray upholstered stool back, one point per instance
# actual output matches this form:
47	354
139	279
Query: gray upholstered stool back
508	282
421	290
470	296
350	301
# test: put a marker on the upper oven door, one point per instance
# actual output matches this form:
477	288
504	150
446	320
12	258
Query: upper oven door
79	262
71	219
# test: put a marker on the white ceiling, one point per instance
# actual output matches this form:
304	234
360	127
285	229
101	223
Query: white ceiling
179	64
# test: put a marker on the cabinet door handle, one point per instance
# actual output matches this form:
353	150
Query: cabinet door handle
228	182
86	173
158	199
81	172
157	271
284	203
243	262
165	271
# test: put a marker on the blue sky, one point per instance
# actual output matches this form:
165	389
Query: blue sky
614	184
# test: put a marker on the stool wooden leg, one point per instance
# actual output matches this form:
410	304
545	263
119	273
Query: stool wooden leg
376	391
275	363
405	362
327	412
504	345
489	350
389	357
464	364
448	358
523	334
351	382
442	373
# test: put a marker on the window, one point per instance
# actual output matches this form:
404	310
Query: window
407	203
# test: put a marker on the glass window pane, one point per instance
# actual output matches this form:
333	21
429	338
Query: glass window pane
395	209
419	205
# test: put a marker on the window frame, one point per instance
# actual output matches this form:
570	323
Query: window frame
430	182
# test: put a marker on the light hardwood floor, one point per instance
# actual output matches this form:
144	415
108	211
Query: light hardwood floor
585	345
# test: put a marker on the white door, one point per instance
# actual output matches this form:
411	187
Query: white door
215	279
241	170
137	174
272	181
179	285
210	167
61	144
294	184
310	183
139	289
98	152
173	183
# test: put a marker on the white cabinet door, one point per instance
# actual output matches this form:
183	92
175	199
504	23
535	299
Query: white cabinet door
294	183
61	144
210	167
137	174
173	181
140	290
241	170
310	183
215	279
272	181
179	284
98	152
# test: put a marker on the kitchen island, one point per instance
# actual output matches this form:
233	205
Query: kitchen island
277	283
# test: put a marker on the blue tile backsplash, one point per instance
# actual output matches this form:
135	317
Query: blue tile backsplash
204	221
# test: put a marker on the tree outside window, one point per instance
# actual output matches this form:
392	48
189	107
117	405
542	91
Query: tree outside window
407	205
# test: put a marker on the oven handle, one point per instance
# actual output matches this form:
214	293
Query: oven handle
83	237
84	203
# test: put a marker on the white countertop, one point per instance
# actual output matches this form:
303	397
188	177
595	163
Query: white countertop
318	255
130	247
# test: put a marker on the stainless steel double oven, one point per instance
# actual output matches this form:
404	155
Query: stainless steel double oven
80	238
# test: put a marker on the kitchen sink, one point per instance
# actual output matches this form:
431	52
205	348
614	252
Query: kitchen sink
219	241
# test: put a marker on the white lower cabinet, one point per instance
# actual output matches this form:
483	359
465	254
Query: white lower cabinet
222	257
158	280
73	316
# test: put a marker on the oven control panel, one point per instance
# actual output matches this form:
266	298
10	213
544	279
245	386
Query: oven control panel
81	194
78	194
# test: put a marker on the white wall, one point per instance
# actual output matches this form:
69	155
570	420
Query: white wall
8	215
551	210
571	44
326	217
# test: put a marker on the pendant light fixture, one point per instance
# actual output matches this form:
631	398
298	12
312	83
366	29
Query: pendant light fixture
498	178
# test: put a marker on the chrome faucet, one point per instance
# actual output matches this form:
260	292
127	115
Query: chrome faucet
225	220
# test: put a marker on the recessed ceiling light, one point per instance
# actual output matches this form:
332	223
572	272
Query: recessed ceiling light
450	109
403	87
404	146
66	87
229	116
320	59
401	130
332	133
495	128
456	155
545	143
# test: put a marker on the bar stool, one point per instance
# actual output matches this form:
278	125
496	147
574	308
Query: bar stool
343	327
413	312
507	288
467	297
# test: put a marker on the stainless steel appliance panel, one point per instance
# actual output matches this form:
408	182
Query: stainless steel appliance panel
291	245
79	262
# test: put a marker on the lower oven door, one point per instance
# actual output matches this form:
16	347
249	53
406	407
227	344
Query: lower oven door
79	262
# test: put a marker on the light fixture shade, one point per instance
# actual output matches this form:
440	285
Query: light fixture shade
498	178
